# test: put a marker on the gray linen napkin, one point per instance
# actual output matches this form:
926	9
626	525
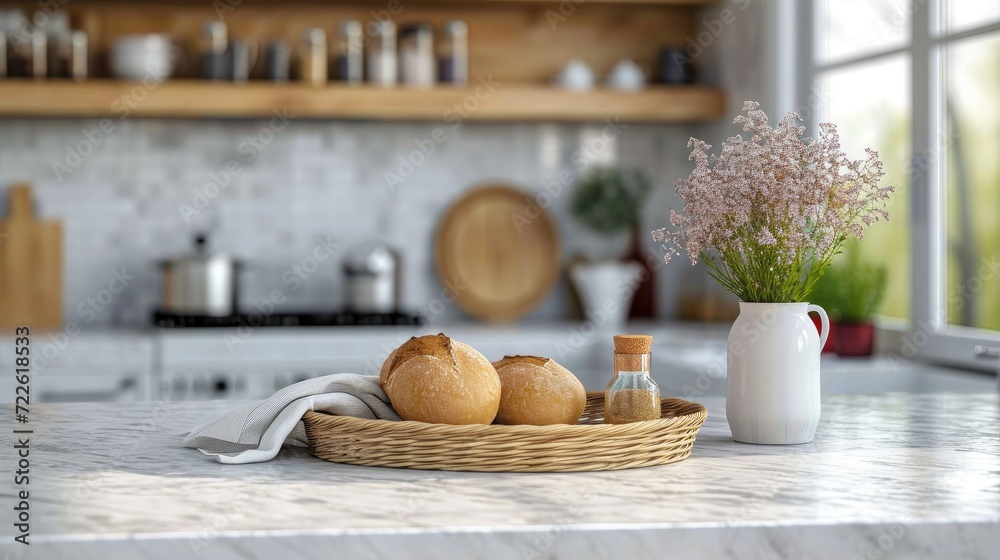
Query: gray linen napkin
255	432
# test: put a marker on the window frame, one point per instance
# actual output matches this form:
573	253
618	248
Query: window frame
926	336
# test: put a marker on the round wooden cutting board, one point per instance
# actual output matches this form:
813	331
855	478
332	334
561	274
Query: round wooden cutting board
497	253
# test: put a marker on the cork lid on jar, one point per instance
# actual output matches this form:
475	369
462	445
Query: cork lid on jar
633	343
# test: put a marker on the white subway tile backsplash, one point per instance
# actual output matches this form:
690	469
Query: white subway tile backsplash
124	203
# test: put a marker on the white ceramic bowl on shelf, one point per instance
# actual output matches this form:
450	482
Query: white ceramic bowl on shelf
138	57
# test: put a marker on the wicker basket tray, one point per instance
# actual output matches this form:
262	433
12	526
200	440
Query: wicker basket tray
590	445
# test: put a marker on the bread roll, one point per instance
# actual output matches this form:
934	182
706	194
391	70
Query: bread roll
440	380
538	391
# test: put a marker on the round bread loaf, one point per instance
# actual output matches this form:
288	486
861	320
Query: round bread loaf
440	380
538	391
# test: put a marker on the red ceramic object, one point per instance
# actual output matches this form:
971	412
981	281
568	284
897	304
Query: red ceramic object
855	339
831	338
644	298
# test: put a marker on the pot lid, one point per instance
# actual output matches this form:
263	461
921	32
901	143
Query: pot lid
200	253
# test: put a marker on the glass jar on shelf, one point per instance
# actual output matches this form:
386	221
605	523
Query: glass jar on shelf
381	53
313	57
416	55
215	41
350	58
453	54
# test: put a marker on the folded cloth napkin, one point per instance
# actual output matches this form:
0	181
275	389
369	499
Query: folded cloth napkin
255	432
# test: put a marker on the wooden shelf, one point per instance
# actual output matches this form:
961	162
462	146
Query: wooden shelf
507	102
382	3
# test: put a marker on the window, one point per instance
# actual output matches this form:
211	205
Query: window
972	180
919	81
877	116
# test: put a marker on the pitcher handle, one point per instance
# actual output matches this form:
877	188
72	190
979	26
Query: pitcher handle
824	320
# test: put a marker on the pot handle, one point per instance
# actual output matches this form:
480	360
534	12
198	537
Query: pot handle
824	320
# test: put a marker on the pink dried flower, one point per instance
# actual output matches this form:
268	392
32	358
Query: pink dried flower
767	214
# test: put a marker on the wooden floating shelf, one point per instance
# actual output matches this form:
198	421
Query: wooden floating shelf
507	102
463	3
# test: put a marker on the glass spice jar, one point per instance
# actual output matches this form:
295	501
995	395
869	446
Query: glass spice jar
632	395
453	54
313	57
382	67
416	55
215	40
350	61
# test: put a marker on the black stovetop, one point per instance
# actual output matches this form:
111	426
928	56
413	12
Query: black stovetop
286	319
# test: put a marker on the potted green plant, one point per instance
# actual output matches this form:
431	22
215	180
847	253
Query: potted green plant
609	201
856	288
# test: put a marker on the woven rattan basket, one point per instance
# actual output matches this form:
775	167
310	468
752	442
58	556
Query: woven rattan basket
590	445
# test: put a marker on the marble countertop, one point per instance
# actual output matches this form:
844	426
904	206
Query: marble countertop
888	476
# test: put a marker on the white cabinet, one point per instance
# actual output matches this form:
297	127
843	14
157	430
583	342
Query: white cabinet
98	366
201	364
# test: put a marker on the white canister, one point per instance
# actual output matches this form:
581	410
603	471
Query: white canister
416	55
382	69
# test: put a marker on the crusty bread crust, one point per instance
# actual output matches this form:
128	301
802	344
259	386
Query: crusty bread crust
538	391
383	374
440	380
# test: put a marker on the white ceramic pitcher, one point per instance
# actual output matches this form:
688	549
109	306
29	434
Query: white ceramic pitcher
773	373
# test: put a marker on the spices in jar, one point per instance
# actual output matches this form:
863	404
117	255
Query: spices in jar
38	44
382	69
631	405
215	41
632	395
313	57
79	60
453	55
350	61
416	55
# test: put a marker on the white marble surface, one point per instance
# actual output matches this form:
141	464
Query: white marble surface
889	476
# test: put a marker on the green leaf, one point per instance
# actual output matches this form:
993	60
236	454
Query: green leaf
609	200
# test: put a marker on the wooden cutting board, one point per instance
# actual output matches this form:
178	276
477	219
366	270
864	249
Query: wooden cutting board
497	253
30	265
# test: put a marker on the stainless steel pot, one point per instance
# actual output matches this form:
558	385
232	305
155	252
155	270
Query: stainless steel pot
371	274
201	283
